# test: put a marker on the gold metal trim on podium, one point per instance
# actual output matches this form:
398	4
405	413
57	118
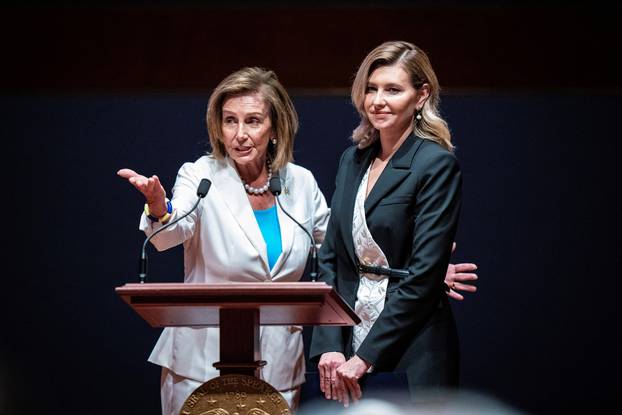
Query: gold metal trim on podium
235	394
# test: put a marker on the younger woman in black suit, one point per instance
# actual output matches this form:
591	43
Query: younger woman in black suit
394	217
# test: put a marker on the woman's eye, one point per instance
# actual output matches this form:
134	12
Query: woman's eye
254	121
370	89
394	90
229	120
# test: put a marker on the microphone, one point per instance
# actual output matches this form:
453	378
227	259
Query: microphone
142	266
275	188
275	184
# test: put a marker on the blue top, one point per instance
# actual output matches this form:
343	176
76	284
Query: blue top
268	221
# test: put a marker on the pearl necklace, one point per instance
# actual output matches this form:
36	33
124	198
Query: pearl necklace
259	190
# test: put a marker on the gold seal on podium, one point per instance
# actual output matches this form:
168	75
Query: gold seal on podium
235	395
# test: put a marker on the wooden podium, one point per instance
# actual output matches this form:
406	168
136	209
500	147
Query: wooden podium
239	308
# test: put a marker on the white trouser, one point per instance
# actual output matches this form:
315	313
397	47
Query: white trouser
175	389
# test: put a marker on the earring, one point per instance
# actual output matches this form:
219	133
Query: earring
418	117
274	141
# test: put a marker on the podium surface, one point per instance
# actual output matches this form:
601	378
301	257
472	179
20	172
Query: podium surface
278	303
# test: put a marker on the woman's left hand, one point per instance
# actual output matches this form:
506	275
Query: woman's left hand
348	375
457	277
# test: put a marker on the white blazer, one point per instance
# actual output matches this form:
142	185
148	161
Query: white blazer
222	242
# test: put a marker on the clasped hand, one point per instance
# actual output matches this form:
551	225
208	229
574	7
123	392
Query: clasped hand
339	378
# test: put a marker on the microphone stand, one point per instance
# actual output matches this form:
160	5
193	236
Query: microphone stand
275	188
142	265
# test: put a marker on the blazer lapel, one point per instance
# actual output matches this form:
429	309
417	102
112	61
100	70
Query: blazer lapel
354	176
394	173
232	191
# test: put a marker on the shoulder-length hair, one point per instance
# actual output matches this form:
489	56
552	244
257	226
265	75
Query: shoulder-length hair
283	116
418	67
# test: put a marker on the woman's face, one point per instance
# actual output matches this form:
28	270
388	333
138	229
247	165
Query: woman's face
246	129
390	99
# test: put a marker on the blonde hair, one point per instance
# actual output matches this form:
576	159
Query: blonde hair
417	65
283	116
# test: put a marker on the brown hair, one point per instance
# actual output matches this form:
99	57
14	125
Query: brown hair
417	65
283	116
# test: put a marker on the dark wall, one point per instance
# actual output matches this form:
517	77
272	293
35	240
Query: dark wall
538	181
192	46
539	218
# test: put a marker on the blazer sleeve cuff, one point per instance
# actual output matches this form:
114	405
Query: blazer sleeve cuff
325	340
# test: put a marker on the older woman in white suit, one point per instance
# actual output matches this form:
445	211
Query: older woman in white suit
237	233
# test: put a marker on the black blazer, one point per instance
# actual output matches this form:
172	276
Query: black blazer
412	213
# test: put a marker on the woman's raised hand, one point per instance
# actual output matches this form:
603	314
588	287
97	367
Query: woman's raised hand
150	187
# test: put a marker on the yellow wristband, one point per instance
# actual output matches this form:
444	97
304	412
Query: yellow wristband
163	219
